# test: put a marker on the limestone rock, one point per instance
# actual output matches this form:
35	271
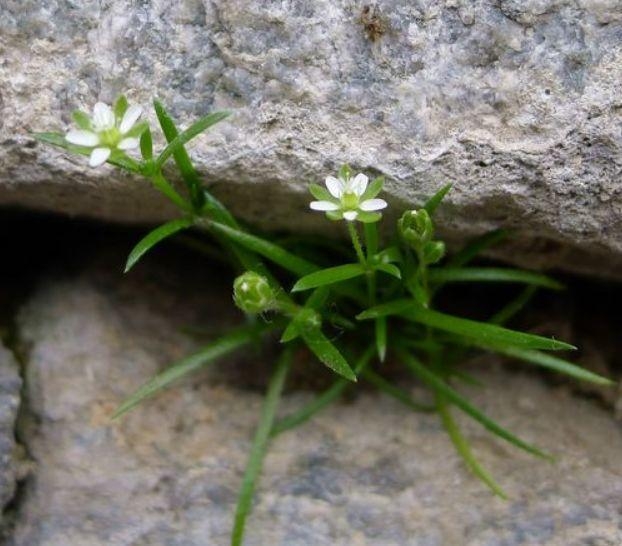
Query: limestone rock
517	103
367	472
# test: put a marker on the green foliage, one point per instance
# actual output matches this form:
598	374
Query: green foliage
380	302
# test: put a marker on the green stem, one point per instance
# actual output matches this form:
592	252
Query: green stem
356	242
164	186
260	444
383	385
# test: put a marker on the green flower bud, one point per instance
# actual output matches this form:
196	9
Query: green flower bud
253	294
433	252
416	228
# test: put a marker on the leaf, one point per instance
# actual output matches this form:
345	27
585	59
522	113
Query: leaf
491	274
477	246
556	364
154	237
195	129
320	193
388	388
464	449
514	306
327	353
207	355
328	276
120	106
146	144
436	383
82	120
489	335
389	269
388	255
259	447
182	159
264	248
432	204
315	301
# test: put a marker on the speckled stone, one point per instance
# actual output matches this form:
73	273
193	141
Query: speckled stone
515	102
365	473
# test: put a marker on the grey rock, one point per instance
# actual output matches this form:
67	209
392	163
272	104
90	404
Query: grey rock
517	103
10	386
364	473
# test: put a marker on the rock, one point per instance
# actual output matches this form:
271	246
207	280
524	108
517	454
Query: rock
367	472
517	103
10	385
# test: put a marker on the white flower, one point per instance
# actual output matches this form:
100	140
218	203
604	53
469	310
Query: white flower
349	198
106	131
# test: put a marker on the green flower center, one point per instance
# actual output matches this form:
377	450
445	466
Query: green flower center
110	137
350	201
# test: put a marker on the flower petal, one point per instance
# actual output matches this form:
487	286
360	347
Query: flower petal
323	205
128	144
335	186
129	118
373	204
82	138
99	156
350	214
359	184
103	117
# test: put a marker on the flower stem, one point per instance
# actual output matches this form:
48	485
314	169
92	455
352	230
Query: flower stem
356	242
260	444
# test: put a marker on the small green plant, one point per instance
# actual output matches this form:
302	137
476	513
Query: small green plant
382	300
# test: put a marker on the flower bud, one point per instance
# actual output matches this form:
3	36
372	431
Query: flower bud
308	319
415	227
252	293
433	252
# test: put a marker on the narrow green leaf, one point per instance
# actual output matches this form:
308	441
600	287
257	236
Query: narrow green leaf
432	204
268	250
327	353
82	120
146	144
436	383
391	390
491	274
328	276
381	337
315	301
320	402
477	246
320	193
389	269
260	447
207	355
373	189
195	129
486	334
556	364
391	254
154	237
513	307
120	106
464	449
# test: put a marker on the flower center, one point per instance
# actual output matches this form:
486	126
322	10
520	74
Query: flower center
110	137
350	201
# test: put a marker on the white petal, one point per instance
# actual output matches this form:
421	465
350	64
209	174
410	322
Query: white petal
359	184
82	138
103	117
129	118
323	205
373	204
99	156
128	144
350	214
335	186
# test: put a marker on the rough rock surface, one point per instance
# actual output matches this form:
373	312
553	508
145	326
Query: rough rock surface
516	102
10	385
363	473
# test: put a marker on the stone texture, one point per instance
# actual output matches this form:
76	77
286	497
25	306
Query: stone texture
10	385
516	102
363	473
